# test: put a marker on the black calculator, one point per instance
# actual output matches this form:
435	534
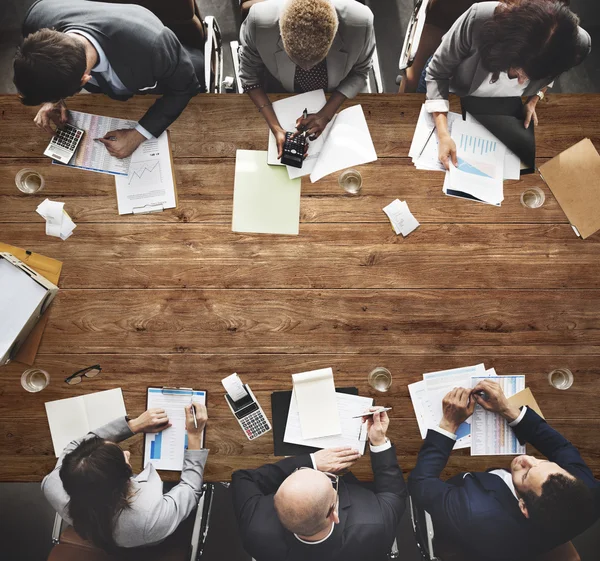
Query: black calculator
64	143
293	150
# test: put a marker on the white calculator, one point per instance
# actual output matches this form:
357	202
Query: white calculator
64	143
249	414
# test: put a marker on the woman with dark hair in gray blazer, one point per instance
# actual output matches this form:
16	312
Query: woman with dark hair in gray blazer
93	487
502	49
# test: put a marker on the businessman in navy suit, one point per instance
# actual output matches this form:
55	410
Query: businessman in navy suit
503	515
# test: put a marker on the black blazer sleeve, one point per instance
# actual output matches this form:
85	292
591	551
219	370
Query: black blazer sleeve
390	489
251	486
447	504
554	446
176	78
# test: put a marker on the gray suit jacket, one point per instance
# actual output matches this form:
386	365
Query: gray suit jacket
152	516
348	62
146	56
457	64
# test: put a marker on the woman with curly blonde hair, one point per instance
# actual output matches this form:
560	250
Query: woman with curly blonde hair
304	45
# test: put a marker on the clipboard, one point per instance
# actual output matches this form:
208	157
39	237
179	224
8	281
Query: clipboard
165	449
50	269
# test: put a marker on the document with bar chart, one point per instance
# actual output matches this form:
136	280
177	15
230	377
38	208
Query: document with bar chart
480	170
165	449
150	184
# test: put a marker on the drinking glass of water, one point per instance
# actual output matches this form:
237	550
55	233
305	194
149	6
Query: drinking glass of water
35	380
380	379
29	181
533	198
561	378
351	181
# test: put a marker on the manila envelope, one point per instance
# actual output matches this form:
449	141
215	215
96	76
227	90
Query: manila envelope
525	397
49	268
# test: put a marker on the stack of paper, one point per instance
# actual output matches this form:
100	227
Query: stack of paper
58	222
424	146
401	218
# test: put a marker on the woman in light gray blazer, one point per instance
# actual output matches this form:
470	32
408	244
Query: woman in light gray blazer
502	49
306	45
93	487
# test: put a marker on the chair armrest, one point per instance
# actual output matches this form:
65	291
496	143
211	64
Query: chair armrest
201	522
56	528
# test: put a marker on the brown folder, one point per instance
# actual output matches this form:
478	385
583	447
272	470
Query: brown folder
525	397
574	179
49	268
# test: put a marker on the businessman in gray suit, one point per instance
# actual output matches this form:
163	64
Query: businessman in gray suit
120	50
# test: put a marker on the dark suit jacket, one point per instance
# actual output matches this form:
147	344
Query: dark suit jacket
146	55
368	519
478	510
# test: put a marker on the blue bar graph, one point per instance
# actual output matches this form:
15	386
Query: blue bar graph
476	145
155	447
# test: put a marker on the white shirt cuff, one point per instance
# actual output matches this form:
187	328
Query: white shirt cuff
519	418
444	432
144	132
437	106
312	459
385	446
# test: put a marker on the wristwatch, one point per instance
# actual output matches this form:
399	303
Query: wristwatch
541	95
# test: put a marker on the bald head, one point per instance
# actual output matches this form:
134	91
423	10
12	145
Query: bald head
303	502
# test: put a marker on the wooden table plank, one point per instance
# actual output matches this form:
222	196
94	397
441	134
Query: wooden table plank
205	194
217	125
123	256
322	321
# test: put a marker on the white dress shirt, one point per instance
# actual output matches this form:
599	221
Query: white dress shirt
104	68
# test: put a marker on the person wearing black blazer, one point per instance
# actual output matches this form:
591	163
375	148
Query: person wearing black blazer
299	509
504	515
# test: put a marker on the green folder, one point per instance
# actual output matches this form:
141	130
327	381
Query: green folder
265	199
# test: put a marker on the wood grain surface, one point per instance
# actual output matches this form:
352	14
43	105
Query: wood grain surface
178	299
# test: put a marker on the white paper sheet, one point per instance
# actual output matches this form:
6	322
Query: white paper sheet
491	435
353	431
165	449
149	186
58	223
288	110
315	395
74	417
349	144
234	387
402	220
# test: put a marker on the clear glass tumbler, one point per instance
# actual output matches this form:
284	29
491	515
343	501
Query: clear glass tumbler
561	378
533	197
29	181
350	181
35	380
380	379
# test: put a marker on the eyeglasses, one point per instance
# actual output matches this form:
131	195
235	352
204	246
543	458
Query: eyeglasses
335	483
89	372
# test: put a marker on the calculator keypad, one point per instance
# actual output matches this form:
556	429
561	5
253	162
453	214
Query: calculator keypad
255	425
67	137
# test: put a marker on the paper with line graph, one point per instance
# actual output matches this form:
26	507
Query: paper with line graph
150	184
480	170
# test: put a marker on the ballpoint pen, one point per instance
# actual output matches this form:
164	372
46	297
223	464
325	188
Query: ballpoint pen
483	395
111	138
368	413
426	143
194	414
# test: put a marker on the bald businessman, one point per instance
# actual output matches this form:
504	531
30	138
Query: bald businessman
300	508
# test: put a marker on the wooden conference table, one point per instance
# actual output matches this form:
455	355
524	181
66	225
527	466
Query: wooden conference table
178	299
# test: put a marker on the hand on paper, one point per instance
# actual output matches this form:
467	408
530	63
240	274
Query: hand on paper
153	420
496	400
333	460
127	140
457	407
195	434
51	114
377	426
530	113
315	124
447	151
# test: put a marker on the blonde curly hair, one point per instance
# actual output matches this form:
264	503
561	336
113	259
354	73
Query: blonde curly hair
307	30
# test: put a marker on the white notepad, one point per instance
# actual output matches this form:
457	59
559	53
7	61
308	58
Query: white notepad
74	417
165	449
316	402
265	199
353	430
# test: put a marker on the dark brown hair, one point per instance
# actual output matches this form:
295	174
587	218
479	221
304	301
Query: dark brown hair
96	477
564	509
539	36
48	67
